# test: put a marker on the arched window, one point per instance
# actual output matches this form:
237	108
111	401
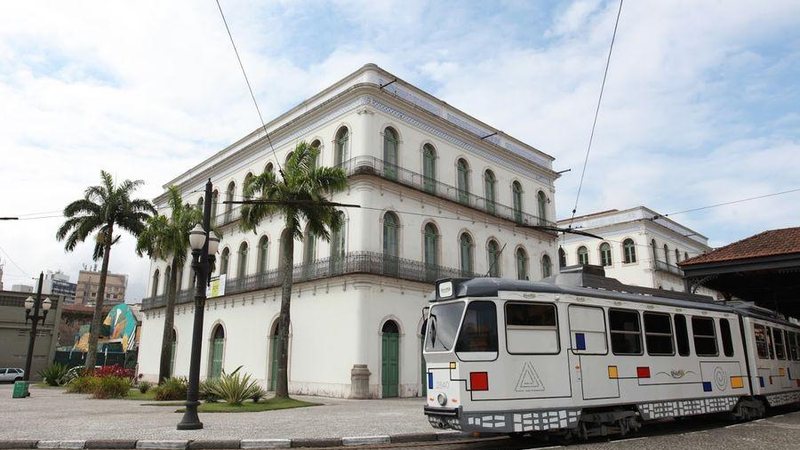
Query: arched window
666	254
462	181
288	157
247	180
309	247
316	145
200	204
516	193
390	153
541	201
214	209
431	251
605	254
167	274
583	255
629	248
391	243
429	168
562	258
337	250
229	198
156	275
217	352
241	266
547	266
269	167
677	256
223	261
466	256
489	182
263	248
391	234
493	251
341	146
685	256
522	264
653	247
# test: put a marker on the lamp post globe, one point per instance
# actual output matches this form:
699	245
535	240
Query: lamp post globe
29	303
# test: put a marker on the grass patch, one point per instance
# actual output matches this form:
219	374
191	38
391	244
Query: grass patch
164	403
134	394
249	406
44	385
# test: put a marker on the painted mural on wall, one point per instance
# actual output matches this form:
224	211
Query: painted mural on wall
119	327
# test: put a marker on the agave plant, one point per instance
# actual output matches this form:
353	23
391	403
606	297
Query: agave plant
235	387
54	374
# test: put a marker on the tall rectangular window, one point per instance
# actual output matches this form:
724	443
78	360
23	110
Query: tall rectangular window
705	337
777	337
626	334
725	333
682	335
762	345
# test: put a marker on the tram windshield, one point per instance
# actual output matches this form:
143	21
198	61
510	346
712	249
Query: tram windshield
443	322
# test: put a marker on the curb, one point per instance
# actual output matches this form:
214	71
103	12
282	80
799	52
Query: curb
220	444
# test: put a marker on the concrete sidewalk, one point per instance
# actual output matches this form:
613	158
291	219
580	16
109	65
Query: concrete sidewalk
50	414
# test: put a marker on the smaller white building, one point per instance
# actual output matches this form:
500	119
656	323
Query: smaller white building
639	247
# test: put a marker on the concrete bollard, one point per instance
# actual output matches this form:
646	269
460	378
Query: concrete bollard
359	381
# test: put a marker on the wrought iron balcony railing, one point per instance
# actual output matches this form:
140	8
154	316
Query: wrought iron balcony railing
369	165
351	263
662	266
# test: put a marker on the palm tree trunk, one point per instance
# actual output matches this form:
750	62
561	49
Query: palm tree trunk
165	368
94	332
287	260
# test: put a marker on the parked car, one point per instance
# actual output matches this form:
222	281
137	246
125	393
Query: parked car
10	375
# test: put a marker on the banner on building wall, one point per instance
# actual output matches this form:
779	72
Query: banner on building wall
217	287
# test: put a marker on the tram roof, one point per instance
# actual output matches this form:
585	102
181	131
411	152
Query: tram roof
591	281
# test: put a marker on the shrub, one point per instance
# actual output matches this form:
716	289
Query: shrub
145	386
111	387
258	395
82	385
54	374
235	388
208	390
114	371
171	389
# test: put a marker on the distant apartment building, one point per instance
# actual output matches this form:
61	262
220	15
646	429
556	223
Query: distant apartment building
638	247
21	288
89	283
57	283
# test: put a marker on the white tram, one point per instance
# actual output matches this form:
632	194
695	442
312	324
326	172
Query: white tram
586	355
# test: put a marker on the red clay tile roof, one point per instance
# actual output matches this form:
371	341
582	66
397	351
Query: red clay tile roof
769	243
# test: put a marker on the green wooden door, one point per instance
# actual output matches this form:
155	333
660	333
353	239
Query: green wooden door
218	346
273	371
390	367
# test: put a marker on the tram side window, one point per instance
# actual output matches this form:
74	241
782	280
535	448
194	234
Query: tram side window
479	330
626	334
705	339
762	346
725	332
793	346
531	328
658	334
780	350
769	343
682	334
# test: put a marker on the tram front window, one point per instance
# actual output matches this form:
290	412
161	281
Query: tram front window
479	331
443	322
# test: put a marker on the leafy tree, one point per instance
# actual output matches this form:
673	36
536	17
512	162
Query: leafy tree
102	208
168	238
299	197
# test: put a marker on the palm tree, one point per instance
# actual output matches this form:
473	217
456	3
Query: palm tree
101	209
299	196
168	237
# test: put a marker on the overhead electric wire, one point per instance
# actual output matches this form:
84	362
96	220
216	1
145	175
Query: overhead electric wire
13	262
732	202
249	87
596	113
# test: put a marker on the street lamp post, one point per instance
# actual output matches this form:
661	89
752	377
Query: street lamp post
35	305
204	247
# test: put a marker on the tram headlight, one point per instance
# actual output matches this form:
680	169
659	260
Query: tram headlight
442	399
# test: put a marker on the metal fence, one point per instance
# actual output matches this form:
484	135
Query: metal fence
76	358
351	263
664	267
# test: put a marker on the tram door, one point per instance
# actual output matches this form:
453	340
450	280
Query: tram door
589	349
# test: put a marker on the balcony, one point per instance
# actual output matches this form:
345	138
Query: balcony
352	263
369	165
661	266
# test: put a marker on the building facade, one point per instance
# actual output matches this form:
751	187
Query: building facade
57	283
639	247
15	333
441	194
89	283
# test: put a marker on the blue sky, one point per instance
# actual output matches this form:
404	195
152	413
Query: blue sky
701	102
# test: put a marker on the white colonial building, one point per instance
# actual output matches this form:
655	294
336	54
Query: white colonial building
639	247
441	195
